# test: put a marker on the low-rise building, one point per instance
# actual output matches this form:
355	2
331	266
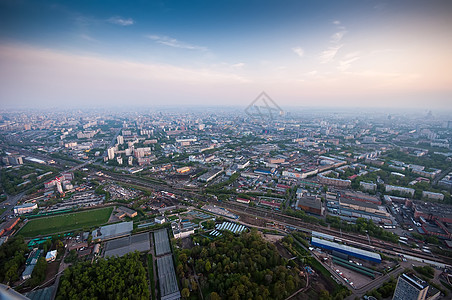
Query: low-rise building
210	175
432	195
51	256
425	173
25	208
159	219
127	211
400	189
368	186
332	181
312	205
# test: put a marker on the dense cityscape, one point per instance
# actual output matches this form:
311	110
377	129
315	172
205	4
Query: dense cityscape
225	150
337	204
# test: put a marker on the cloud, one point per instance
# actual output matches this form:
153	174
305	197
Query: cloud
60	78
172	42
299	51
345	64
238	65
337	37
121	21
88	38
329	54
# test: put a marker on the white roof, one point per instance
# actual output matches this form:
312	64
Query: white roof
51	254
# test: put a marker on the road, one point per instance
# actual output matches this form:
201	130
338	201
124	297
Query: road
441	176
375	283
80	166
12	200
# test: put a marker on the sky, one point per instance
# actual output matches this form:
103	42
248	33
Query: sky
361	53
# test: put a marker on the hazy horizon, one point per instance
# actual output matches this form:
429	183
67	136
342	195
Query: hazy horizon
369	54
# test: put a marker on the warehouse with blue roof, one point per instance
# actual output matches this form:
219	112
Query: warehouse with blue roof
351	251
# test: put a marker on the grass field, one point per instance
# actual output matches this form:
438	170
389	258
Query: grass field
66	222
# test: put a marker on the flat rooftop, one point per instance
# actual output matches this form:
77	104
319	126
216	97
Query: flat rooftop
161	240
346	248
167	278
122	246
113	230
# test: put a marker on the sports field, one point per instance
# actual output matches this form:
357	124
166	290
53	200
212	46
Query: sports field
66	222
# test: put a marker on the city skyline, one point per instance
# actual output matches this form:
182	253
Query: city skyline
355	53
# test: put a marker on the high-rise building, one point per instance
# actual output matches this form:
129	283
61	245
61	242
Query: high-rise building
120	139
59	187
111	153
409	287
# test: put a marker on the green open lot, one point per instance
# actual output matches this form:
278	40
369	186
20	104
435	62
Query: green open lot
66	222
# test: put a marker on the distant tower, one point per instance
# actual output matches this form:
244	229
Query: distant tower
111	153
120	139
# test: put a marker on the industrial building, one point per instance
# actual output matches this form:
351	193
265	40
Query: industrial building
262	171
161	242
8	226
362	197
350	210
311	205
113	231
167	278
122	246
232	227
124	211
351	251
440	214
210	175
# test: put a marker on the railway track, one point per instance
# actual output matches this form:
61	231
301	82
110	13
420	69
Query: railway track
352	239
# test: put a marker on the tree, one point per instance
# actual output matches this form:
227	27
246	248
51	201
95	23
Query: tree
12	255
324	295
39	272
185	293
208	266
214	296
112	278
